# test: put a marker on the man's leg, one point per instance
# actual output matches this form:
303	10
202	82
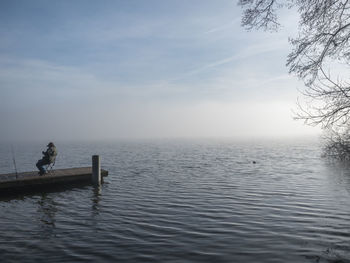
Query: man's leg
40	165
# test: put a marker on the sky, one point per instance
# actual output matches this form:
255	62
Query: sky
95	70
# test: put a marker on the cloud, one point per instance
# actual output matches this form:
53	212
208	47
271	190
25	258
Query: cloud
32	82
250	51
224	27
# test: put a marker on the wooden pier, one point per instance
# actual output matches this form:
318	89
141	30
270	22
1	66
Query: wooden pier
32	181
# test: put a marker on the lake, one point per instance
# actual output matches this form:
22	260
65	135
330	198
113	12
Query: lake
183	201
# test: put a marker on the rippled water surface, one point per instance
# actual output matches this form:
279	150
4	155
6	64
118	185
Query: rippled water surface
183	201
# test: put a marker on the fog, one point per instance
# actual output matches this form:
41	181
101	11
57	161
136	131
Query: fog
128	121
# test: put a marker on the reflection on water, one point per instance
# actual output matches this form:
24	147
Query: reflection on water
95	199
97	190
187	201
339	174
47	210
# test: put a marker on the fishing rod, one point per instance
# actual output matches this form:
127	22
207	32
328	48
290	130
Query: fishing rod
14	160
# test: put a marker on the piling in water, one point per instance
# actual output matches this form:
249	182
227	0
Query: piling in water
96	170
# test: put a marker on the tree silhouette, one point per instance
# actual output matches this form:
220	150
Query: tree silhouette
322	42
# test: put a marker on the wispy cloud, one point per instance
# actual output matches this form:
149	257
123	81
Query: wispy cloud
241	55
224	27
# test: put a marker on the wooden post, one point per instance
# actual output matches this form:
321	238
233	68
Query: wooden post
96	170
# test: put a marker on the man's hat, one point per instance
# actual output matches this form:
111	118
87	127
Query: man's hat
50	144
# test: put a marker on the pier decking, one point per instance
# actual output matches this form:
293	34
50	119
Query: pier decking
31	180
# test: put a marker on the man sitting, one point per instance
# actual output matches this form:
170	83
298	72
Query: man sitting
48	157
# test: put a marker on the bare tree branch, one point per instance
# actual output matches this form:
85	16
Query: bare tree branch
324	33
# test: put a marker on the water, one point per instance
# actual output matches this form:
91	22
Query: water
183	201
